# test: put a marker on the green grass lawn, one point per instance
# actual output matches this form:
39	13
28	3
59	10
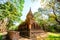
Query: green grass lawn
53	36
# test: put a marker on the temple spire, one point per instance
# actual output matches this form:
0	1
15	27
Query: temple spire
29	15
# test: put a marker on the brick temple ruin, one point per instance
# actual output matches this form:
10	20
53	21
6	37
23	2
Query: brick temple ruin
29	27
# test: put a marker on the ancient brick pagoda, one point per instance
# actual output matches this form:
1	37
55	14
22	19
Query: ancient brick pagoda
29	27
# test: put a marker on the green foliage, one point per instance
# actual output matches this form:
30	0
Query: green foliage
13	28
8	11
52	28
53	36
0	37
51	7
49	25
12	10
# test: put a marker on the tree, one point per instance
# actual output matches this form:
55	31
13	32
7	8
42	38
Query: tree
55	9
12	11
51	9
41	20
51	6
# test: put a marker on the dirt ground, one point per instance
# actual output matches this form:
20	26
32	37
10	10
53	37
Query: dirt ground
40	36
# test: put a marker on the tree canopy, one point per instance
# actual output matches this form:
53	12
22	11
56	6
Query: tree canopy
12	10
48	15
